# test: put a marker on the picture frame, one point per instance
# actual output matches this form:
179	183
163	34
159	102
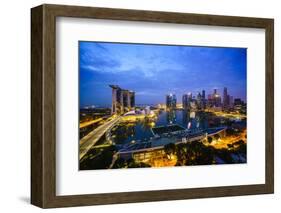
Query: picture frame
43	105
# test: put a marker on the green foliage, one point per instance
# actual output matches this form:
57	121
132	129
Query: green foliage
217	136
225	155
194	153
232	132
98	158
236	154
119	163
130	163
170	149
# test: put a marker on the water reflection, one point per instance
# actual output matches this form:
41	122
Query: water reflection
171	117
141	130
185	117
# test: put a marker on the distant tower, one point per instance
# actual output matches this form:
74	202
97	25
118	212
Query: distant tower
231	101
132	98
204	101
199	101
171	101
215	91
186	100
225	98
203	94
216	99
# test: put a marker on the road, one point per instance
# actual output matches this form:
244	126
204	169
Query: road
87	123
223	143
90	140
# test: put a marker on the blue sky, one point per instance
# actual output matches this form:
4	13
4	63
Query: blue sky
153	71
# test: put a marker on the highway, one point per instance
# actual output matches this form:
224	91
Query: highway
87	123
90	140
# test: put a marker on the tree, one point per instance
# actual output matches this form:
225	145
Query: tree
206	157
242	149
131	163
210	139
101	160
230	146
225	155
199	154
230	132
217	136
181	152
119	163
170	149
138	165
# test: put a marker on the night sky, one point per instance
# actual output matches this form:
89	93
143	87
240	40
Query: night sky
153	71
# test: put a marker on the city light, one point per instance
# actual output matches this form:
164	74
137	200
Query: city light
164	109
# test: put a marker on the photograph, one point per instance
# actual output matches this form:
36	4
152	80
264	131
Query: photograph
160	105
143	105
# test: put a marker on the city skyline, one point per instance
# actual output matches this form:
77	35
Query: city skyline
153	71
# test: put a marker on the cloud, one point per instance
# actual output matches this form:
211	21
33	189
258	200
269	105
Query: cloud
106	58
155	70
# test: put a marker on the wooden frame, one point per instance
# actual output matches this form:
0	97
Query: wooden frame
43	98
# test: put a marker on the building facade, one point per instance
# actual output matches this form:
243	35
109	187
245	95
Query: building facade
226	99
171	101
186	100
122	100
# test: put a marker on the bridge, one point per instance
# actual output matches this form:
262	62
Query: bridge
91	139
159	143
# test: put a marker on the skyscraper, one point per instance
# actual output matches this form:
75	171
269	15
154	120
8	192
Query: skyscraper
171	101
203	94
215	91
224	94
186	99
231	101
199	101
216	99
185	103
237	102
204	101
132	98
122	100
226	99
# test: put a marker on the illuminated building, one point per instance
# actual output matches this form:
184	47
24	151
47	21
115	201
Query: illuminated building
203	94
237	101
171	101
215	91
199	101
204	102
214	100
186	100
231	101
226	99
171	117
122	100
147	110
240	106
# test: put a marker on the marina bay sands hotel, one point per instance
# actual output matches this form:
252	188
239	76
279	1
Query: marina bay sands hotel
122	100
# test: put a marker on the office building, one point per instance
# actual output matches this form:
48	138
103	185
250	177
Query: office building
186	100
226	99
171	101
